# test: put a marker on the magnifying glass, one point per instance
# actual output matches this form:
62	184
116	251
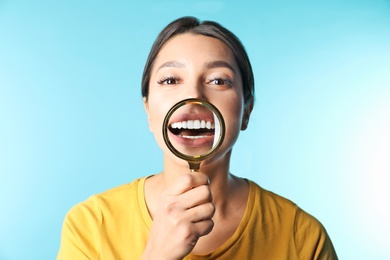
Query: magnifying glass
193	130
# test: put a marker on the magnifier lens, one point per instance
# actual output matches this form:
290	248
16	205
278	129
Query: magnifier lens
193	129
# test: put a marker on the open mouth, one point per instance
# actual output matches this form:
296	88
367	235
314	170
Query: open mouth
192	129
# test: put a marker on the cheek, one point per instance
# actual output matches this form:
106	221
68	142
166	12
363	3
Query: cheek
234	110
233	114
158	108
156	118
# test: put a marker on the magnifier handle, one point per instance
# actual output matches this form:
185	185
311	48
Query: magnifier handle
194	166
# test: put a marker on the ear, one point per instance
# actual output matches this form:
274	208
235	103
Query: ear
146	107
247	112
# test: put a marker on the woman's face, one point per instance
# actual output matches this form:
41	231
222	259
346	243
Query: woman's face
197	66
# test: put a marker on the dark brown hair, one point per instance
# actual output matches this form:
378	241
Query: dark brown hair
206	28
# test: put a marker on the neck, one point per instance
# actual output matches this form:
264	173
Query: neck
217	170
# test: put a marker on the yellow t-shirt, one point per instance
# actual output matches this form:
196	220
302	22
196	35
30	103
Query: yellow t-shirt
115	225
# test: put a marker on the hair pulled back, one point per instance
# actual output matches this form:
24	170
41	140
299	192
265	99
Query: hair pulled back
206	28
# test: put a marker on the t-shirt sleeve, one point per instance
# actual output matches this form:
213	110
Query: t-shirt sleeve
311	238
80	237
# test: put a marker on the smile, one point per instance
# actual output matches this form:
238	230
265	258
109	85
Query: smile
192	129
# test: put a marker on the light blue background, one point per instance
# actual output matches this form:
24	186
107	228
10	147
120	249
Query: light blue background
72	122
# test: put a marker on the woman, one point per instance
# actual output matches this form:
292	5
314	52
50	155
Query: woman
211	214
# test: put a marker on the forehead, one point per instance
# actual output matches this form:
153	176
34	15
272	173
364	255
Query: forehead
192	48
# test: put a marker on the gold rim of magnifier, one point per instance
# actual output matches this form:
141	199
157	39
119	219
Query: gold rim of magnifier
195	158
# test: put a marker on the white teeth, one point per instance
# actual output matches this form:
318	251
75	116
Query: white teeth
193	124
193	137
196	124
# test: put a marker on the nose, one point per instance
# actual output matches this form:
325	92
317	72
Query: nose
195	90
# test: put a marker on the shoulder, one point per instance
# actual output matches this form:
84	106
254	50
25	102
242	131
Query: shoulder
271	202
118	194
309	235
109	200
82	228
311	238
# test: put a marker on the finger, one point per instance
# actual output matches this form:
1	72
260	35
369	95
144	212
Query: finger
204	227
201	212
186	182
196	196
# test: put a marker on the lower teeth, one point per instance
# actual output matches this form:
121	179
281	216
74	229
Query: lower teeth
193	137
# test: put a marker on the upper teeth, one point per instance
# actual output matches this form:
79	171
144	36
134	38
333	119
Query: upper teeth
193	124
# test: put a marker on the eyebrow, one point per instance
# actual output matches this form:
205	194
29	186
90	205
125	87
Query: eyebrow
171	64
210	65
220	64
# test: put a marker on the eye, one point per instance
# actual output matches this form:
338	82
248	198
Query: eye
168	81
221	81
